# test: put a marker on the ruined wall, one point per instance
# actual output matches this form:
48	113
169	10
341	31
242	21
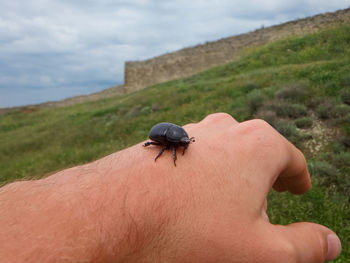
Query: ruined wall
188	61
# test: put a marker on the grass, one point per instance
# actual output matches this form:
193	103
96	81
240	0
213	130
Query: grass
282	82
303	122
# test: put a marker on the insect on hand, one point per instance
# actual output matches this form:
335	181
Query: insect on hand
168	136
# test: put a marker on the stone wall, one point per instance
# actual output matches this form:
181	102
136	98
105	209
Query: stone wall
188	61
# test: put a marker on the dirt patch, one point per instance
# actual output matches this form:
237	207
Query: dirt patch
321	136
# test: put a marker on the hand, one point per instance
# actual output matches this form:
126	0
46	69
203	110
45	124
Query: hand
217	197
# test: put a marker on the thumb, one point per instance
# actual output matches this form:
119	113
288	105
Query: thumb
312	243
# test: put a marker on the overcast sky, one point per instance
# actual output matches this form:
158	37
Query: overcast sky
54	49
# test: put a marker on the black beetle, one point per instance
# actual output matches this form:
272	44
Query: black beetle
168	135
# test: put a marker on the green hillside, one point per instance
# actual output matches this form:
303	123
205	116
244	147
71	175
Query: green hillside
301	86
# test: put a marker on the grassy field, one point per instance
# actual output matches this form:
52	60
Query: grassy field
301	86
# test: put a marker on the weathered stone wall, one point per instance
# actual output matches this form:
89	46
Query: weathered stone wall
188	61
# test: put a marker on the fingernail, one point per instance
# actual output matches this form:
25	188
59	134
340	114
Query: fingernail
334	247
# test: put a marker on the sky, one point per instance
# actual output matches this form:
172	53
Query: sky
55	49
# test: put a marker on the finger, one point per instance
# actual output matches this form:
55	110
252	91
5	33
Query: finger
278	162
310	243
294	176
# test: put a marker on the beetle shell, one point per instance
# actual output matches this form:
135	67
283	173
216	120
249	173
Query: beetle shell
168	135
166	132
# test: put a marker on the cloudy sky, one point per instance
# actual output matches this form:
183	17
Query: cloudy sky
54	49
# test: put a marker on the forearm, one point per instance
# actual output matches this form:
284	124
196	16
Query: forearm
95	212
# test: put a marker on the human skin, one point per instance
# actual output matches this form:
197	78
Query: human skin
211	207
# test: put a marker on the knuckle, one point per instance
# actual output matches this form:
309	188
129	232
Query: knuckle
279	249
286	252
258	124
218	117
261	136
256	129
275	250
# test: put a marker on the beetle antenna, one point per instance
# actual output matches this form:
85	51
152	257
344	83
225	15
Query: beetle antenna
192	139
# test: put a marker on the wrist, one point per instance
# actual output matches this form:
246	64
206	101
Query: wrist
139	204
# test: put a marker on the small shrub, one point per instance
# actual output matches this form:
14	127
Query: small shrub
250	87
305	136
313	103
156	107
145	110
287	129
330	110
134	111
345	119
290	110
255	99
341	160
324	110
322	168
296	110
345	95
331	175
241	113
325	171
345	141
304	122
268	116
290	131
346	81
340	111
292	92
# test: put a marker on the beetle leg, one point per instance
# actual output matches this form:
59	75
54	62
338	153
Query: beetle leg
161	151
174	155
185	147
153	143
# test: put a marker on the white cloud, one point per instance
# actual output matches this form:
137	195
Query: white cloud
67	47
